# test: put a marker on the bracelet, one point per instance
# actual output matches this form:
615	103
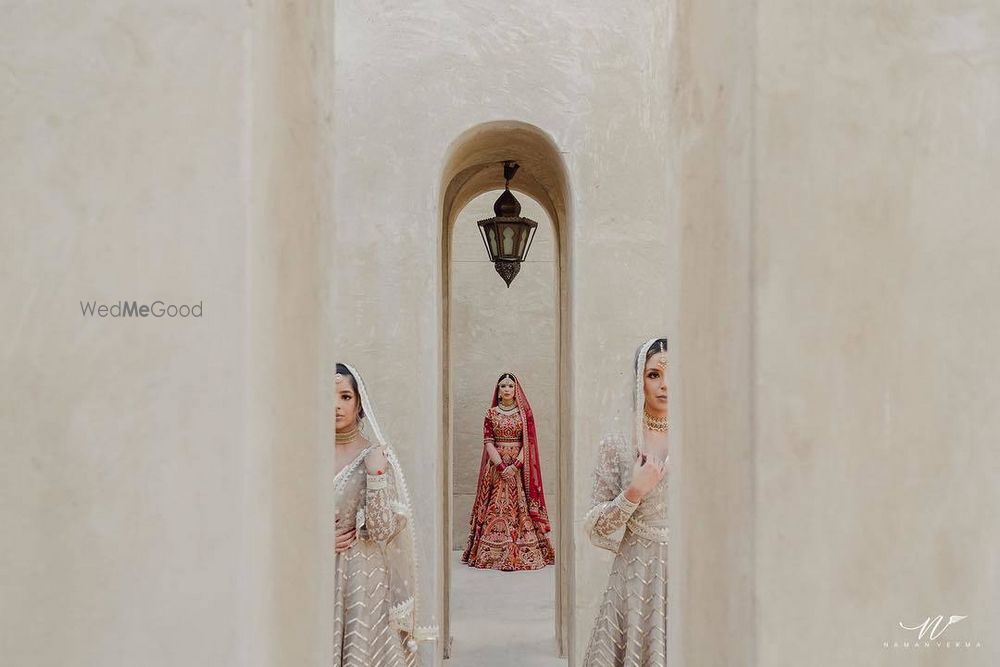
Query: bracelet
519	464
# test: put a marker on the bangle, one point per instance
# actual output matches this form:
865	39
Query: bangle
519	464
501	466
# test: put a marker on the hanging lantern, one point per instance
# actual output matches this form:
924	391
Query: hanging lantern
507	235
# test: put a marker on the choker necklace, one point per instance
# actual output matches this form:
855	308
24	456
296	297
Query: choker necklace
507	408
659	424
344	437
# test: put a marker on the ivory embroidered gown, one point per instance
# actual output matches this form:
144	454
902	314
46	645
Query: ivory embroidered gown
364	631
631	625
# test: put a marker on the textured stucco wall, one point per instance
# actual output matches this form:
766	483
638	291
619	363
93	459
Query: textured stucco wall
123	178
877	317
712	520
288	513
565	68
800	194
157	504
496	329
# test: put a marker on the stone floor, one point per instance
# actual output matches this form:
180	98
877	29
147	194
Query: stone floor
502	618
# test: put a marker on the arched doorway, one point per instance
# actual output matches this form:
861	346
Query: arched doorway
472	169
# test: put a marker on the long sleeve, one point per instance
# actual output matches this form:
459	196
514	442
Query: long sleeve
382	518
610	510
488	436
489	442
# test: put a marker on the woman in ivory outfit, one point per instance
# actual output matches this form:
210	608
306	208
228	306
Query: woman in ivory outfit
629	517
375	608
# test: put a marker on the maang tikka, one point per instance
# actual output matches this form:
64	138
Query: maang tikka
663	362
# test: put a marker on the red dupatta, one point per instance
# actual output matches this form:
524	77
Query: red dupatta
531	473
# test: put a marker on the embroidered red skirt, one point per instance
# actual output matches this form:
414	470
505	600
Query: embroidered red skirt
505	538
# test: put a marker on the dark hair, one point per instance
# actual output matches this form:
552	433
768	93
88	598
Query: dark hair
344	370
496	387
655	348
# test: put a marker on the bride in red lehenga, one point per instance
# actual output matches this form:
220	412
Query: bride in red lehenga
509	521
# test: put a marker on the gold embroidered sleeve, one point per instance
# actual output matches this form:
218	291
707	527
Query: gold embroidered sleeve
488	436
383	512
610	510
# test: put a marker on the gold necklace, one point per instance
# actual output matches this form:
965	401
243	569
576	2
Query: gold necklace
507	408
658	424
344	437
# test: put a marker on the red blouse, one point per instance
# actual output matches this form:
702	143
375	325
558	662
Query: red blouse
502	427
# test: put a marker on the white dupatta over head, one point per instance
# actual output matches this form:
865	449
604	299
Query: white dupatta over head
400	550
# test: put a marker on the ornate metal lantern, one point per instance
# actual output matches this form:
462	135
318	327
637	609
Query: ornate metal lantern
507	235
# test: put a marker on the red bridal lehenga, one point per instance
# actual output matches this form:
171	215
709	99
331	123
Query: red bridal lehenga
509	520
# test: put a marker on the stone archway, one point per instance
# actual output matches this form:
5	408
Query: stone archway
472	168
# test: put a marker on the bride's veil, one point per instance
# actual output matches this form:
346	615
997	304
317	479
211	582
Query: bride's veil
638	395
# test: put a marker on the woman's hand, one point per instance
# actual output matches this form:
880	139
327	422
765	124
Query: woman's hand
375	461
646	474
345	539
509	473
491	451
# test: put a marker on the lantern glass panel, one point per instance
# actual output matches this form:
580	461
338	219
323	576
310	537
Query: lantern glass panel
516	249
508	240
491	234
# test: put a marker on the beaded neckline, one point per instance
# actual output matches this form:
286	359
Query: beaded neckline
338	480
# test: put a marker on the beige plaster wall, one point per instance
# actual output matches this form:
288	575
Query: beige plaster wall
878	149
288	485
496	329
123	178
711	122
149	514
565	68
800	195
